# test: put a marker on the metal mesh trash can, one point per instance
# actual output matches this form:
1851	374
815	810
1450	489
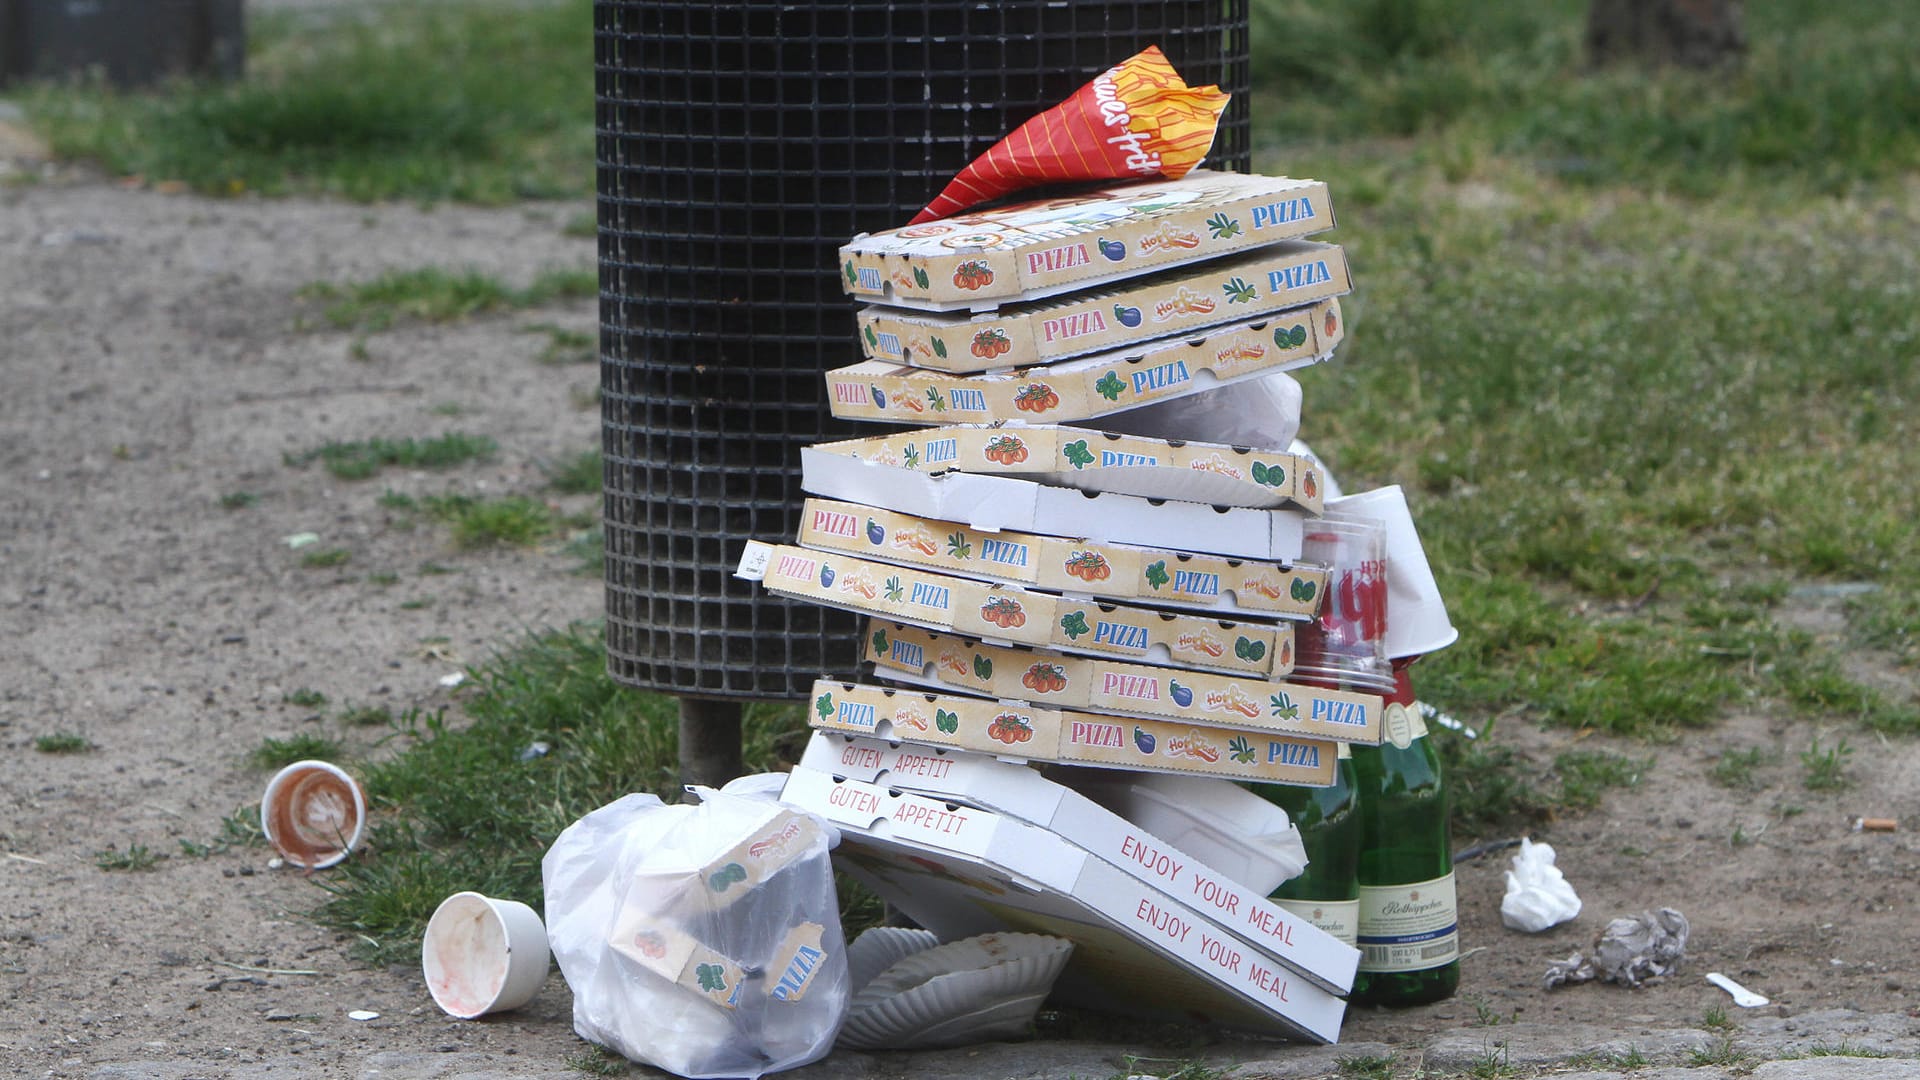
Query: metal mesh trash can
738	146
131	43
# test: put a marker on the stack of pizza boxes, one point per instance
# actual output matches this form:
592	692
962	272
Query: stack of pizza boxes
1043	592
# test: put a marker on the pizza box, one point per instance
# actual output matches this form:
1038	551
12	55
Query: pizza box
1043	734
959	870
1102	461
1097	385
912	655
1011	613
996	503
1226	587
1032	249
1023	793
1266	282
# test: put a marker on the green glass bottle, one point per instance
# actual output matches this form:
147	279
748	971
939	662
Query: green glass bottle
1408	921
1327	893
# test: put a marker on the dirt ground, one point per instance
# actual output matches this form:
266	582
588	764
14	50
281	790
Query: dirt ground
153	361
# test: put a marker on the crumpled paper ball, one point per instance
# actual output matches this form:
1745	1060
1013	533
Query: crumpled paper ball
1538	895
1629	951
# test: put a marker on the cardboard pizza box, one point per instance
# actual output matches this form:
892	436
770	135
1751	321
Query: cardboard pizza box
1098	385
983	258
1022	732
1183	301
1078	566
960	870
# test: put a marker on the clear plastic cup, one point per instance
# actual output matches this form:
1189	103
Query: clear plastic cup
1345	647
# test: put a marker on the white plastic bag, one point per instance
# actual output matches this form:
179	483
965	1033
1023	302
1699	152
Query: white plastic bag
703	939
1262	413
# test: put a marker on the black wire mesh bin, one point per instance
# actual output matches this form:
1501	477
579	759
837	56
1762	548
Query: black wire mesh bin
738	146
131	43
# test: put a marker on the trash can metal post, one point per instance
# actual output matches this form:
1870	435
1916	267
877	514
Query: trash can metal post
738	145
709	741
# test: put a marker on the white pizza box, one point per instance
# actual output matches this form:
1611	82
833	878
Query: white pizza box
1074	566
959	870
1102	461
1022	792
997	503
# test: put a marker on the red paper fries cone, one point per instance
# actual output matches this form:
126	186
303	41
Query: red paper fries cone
1137	119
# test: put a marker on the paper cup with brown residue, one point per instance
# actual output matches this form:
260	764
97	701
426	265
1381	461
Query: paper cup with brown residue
313	813
483	955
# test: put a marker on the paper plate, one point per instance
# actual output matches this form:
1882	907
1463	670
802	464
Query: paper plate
880	948
975	990
1223	825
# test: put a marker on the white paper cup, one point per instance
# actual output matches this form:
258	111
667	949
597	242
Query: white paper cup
482	955
313	813
1417	621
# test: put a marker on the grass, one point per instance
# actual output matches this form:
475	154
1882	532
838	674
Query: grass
458	808
279	753
1178	1070
62	742
238	500
135	857
1715	1019
566	346
577	475
1736	768
597	1061
1843	1048
503	521
1365	1067
479	103
364	458
435	295
1613	401
240	829
1826	770
1637	345
1587	774
1720	1052
304	698
1473	85
1625	1060
1484	1014
366	716
588	550
1492	1063
322	558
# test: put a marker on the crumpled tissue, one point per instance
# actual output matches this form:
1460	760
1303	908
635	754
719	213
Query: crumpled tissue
1538	895
1629	951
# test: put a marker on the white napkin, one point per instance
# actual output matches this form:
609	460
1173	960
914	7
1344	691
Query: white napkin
1538	895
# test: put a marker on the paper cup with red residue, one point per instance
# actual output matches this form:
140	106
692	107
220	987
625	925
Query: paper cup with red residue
483	955
313	813
1418	624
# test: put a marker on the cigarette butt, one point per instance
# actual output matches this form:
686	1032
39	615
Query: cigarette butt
1879	824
